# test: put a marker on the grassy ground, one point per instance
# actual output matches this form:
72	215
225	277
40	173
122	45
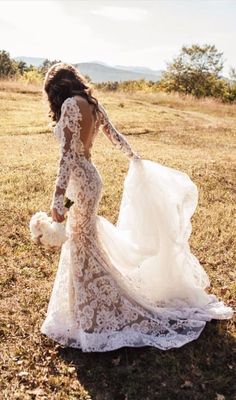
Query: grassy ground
195	137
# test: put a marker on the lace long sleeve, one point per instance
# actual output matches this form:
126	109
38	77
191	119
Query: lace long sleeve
67	131
117	139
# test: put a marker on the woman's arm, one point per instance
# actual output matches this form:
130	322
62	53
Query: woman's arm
69	127
117	139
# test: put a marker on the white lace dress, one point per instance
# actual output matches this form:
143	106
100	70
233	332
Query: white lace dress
134	283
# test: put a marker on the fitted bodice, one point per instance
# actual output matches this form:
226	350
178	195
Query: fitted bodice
89	126
76	131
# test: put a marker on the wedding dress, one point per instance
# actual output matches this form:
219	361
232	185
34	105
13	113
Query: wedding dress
135	283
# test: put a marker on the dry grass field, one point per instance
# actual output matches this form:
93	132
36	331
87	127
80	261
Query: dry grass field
197	137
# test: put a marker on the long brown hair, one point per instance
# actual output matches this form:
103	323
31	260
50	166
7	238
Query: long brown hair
62	81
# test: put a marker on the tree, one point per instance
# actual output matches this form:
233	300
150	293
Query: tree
22	67
8	67
196	70
88	79
232	85
47	64
232	75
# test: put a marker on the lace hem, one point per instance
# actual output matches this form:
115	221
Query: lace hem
108	341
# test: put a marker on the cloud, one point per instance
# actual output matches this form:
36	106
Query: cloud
121	13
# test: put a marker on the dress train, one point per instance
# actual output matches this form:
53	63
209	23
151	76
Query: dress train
152	288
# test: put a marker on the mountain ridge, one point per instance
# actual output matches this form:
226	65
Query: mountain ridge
102	72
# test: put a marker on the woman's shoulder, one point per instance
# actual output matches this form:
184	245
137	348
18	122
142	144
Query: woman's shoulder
69	101
71	105
79	107
75	100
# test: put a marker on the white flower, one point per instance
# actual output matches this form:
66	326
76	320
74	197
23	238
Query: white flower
46	231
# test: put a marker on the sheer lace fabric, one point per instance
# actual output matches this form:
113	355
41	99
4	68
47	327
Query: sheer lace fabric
135	283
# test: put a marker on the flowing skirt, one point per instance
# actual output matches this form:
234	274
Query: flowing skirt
135	283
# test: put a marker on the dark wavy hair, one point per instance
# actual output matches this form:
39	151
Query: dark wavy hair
62	81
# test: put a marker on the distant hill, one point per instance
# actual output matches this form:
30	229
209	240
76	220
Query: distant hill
144	70
36	61
101	72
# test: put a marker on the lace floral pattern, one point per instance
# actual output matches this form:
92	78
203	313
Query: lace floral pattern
67	131
93	305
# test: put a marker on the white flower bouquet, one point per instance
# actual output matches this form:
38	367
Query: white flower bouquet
47	232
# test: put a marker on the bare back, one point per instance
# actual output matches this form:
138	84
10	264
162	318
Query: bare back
89	124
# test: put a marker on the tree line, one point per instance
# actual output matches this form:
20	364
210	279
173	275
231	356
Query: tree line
197	70
10	68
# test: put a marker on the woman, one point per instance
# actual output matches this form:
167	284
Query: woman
135	283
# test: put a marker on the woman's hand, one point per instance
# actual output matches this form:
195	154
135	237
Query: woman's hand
57	217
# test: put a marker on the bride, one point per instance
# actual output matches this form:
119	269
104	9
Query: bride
135	283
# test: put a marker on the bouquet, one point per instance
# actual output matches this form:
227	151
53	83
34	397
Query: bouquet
46	231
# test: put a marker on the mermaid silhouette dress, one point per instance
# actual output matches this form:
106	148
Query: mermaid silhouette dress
135	283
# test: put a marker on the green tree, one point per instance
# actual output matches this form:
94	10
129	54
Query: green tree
196	70
47	64
22	67
88	79
232	85
8	67
232	75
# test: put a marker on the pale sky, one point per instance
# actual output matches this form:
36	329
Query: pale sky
132	32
